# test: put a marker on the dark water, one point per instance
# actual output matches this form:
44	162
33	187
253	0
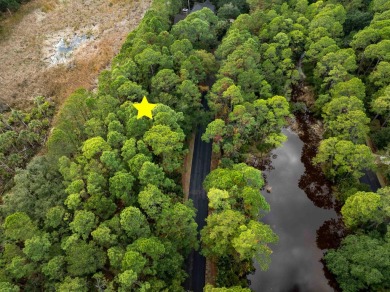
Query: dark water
302	214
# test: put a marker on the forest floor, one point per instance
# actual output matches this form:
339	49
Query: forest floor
52	47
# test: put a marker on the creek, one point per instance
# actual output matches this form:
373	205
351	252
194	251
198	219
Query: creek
303	214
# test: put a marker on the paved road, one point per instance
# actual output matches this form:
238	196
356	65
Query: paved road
371	179
196	263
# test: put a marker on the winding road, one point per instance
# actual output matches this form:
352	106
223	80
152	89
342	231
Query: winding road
196	263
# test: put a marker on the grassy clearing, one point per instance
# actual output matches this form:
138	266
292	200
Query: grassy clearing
28	38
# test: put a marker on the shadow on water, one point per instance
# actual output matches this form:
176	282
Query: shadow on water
330	234
303	213
319	190
313	182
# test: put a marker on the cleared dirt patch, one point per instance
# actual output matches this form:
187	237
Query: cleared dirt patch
58	46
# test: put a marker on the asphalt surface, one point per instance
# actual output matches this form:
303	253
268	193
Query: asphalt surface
196	263
370	179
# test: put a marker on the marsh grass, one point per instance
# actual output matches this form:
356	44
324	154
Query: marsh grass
24	68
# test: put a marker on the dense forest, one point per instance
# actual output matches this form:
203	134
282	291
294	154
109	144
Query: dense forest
102	208
10	5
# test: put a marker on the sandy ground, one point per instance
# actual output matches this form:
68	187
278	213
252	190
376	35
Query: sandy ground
92	32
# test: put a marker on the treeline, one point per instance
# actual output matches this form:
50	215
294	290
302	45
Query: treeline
21	133
344	48
345	61
233	236
248	100
10	5
103	209
374	67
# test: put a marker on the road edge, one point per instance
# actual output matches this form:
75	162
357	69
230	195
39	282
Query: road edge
187	166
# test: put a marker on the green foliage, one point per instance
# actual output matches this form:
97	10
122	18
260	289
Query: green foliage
151	173
258	123
19	268
37	247
134	223
342	97
361	209
66	219
21	134
83	258
381	138
214	132
351	126
19	226
228	11
218	199
381	105
232	231
350	88
152	200
134	261
219	232
73	285
362	262
68	134
166	143
83	223
127	279
199	28
177	225
209	288
10	5
115	255
54	217
8	287
380	76
102	235
227	234
262	235
341	158
37	189
94	146
121	184
55	268
122	226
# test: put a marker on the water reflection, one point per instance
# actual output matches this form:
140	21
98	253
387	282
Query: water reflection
264	164
331	280
303	216
316	190
330	234
313	181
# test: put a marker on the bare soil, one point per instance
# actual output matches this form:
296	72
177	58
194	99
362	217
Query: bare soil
31	41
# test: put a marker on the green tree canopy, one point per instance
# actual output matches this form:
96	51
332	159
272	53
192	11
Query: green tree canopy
340	158
94	146
134	223
19	226
360	263
361	209
83	223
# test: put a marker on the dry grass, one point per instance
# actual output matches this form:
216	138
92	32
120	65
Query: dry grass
30	34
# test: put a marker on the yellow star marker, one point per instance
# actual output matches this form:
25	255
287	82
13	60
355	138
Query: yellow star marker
144	108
